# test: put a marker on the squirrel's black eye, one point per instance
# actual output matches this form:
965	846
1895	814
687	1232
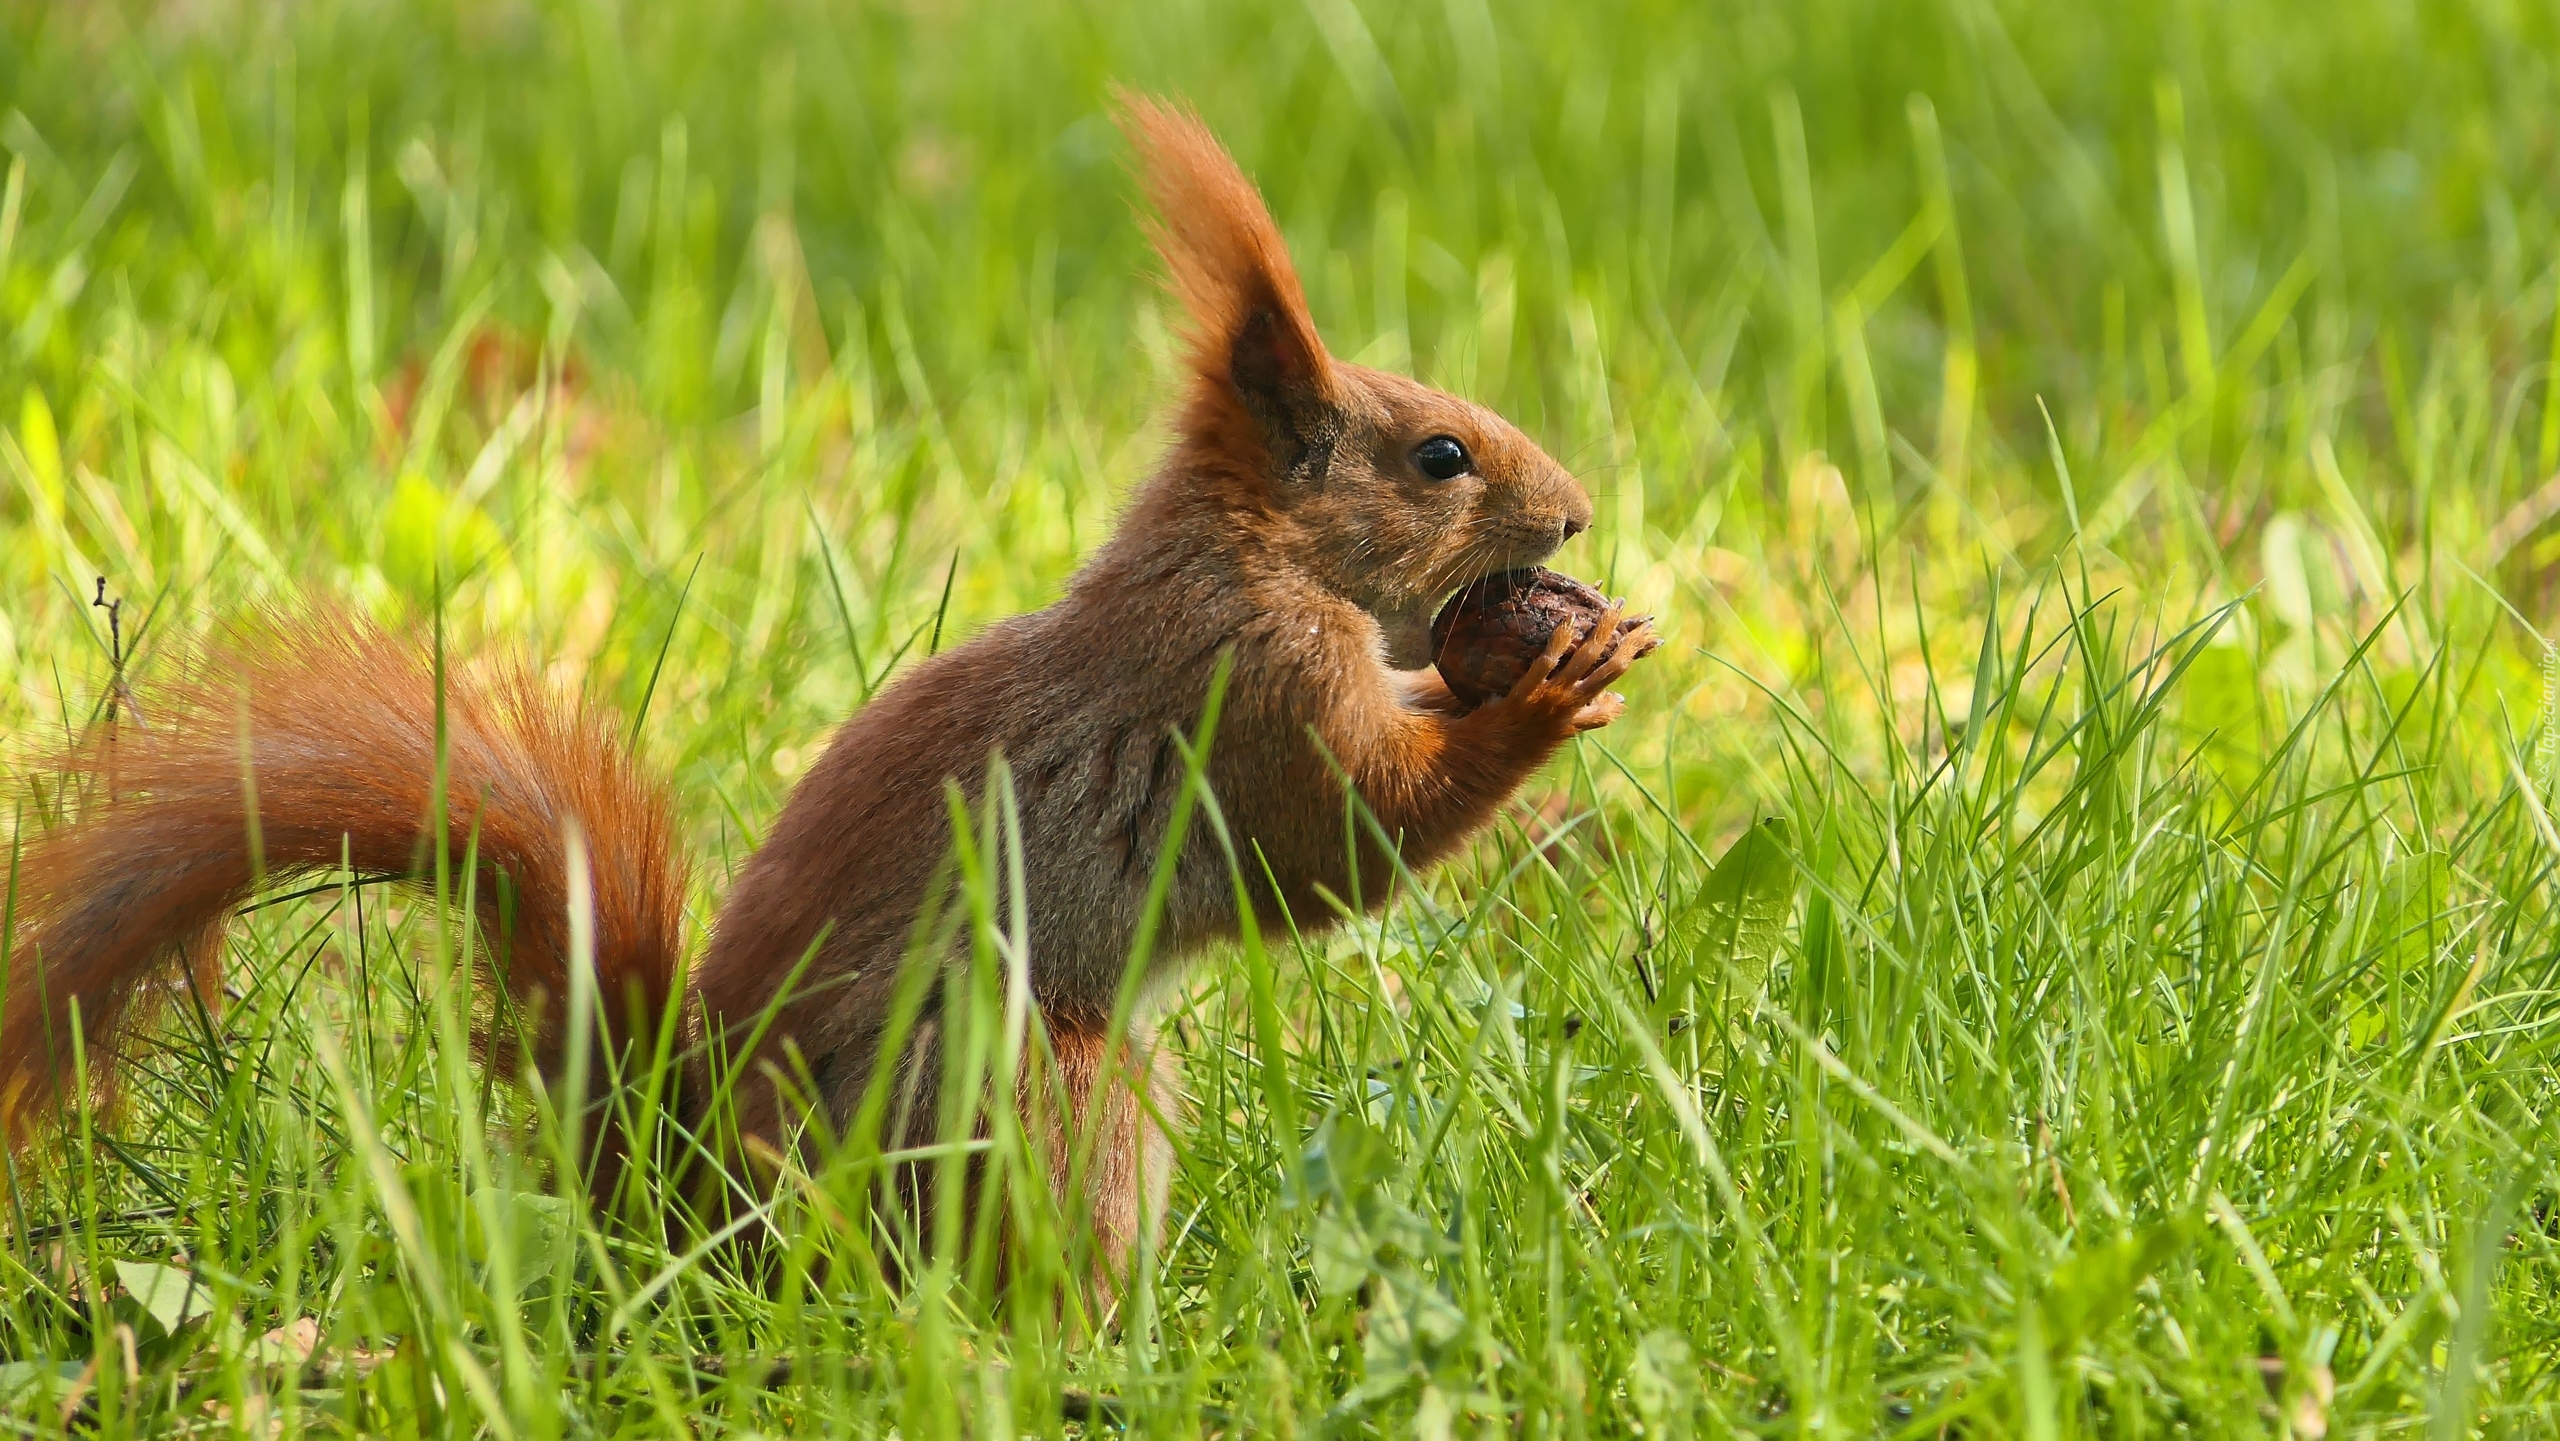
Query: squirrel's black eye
1443	458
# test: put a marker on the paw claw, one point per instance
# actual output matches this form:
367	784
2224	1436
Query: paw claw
1566	686
1595	648
1602	710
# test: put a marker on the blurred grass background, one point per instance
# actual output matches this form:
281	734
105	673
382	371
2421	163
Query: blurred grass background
2151	1035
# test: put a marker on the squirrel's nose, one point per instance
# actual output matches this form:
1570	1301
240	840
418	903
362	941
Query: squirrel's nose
1576	508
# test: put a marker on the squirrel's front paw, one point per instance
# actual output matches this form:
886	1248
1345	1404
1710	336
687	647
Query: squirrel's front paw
1567	686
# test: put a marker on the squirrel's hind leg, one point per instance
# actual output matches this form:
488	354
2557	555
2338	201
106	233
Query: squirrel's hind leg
1097	1115
1128	1094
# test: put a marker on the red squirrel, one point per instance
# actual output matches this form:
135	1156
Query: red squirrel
1308	511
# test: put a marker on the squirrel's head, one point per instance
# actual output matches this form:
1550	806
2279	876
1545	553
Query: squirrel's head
1385	490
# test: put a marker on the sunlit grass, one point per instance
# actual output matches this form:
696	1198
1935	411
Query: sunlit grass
2090	465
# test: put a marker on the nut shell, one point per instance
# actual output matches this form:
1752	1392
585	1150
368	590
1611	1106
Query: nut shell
1489	632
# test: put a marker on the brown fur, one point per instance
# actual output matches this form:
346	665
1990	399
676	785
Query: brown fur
334	722
1288	528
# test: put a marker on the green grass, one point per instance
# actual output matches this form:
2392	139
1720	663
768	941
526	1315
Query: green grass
2087	460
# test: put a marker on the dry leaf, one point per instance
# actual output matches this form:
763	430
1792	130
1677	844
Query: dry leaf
290	1344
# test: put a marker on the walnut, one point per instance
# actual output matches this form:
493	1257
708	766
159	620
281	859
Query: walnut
1488	633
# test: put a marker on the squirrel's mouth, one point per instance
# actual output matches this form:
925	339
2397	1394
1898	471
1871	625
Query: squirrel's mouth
1407	628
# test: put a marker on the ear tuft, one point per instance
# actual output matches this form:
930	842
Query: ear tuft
1248	321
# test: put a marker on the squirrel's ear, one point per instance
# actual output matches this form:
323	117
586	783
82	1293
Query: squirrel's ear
1248	323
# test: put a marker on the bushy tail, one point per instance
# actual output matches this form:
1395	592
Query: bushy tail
331	723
